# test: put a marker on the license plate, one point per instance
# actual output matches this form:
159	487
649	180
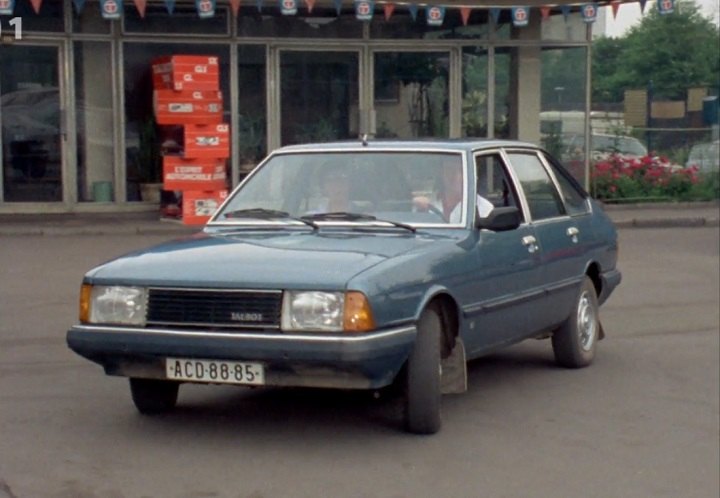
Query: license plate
226	372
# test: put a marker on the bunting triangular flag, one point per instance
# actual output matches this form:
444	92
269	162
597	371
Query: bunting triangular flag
665	6
235	7
642	6
495	13
7	7
258	3
79	4
465	14
389	8
413	11
338	6
545	12
205	8
36	4
170	6
565	9
615	6
310	4
141	5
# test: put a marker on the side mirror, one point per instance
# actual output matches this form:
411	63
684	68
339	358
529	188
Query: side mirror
501	219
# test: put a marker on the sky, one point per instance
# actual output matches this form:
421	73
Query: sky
629	15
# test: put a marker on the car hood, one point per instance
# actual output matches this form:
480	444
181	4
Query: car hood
278	260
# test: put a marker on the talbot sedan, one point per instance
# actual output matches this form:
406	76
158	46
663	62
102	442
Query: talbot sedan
360	265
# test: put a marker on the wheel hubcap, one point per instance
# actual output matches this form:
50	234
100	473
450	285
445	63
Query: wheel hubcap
586	322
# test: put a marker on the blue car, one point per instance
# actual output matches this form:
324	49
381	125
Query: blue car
360	265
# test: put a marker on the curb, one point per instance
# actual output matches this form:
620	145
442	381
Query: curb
668	223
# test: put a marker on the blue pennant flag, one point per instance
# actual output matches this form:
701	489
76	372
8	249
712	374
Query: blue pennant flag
79	5
7	7
589	12
338	6
435	15
170	6
111	9
520	16
565	9
205	8
642	6
495	13
288	7
259	5
413	11
364	10
666	6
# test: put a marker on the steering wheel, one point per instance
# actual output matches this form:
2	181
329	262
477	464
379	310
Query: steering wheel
436	211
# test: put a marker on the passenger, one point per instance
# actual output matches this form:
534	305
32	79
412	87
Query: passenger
335	189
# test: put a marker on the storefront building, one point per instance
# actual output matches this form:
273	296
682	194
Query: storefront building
76	94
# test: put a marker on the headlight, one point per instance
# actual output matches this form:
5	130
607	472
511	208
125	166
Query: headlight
113	304
316	311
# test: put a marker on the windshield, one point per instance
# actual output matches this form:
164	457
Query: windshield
402	187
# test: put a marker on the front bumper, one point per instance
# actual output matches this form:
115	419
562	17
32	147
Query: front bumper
358	361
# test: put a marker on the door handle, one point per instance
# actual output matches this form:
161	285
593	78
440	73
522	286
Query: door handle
573	233
531	243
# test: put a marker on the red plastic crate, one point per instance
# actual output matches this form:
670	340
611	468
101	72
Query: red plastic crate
194	174
190	107
199	206
186	72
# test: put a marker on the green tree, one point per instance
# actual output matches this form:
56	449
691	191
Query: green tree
676	51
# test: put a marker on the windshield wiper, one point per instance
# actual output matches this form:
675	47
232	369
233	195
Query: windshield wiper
266	214
348	216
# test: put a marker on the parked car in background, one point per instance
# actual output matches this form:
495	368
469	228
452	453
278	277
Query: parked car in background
603	146
705	156
357	266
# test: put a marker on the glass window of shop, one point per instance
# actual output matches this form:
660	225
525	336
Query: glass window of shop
322	22
503	59
411	94
562	105
318	96
49	19
30	114
475	92
252	107
184	20
143	137
94	118
401	25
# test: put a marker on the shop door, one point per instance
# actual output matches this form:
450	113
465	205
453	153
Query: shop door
411	92
319	96
31	113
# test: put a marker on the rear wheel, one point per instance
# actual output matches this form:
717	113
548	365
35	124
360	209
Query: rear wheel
422	390
574	343
152	396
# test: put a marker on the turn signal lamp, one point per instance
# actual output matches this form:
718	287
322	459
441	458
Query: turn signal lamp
85	292
358	315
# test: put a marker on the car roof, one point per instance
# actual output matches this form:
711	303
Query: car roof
461	145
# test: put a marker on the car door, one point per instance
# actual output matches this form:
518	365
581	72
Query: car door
562	223
504	291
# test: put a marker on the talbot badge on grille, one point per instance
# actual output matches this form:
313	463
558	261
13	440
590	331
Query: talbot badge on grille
237	316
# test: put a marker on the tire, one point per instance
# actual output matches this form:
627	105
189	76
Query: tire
152	397
423	375
574	343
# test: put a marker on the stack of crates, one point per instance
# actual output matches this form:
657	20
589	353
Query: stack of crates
196	142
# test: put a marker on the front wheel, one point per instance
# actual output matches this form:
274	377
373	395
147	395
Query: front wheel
574	343
153	396
422	389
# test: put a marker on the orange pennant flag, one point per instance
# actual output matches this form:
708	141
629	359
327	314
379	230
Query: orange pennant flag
36	4
140	6
545	12
310	4
235	6
389	9
465	13
615	6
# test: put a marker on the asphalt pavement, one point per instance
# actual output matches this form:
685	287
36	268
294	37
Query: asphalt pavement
648	215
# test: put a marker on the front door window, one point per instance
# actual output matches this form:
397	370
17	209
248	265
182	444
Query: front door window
30	112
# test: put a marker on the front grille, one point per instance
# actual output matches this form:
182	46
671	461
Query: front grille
214	308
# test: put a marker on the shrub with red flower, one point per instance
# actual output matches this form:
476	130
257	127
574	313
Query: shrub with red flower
619	177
